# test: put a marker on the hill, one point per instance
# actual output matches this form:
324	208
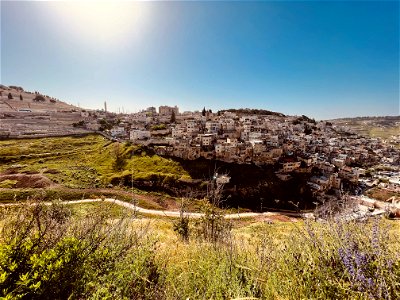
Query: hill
32	114
15	98
383	127
250	111
93	162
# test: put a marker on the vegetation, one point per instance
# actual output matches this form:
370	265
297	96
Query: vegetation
91	161
11	194
108	124
159	127
100	252
248	111
383	127
14	87
46	253
79	124
173	117
39	98
8	183
84	162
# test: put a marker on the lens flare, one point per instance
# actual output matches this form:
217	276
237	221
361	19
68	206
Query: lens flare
107	23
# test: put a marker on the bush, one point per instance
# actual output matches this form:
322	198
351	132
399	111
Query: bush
159	127
8	184
39	98
332	260
46	254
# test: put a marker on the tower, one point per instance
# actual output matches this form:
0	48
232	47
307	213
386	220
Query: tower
105	106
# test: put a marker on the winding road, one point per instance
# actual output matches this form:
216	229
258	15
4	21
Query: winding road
164	213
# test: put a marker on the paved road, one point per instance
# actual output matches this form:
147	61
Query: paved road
154	212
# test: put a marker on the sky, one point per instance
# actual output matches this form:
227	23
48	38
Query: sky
323	59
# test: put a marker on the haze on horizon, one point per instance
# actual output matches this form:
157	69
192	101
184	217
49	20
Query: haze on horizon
322	59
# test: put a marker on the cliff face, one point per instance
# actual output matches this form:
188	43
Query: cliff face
250	186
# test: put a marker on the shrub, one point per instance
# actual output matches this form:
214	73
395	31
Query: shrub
39	98
119	159
332	260
212	226
8	184
46	254
159	127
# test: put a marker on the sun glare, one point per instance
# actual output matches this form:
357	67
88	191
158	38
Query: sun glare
107	22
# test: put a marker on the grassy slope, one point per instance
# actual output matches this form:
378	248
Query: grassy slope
89	162
81	162
373	127
259	261
82	167
384	133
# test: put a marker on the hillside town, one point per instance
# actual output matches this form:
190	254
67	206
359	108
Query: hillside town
332	154
335	158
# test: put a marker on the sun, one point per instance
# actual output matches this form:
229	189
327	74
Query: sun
101	22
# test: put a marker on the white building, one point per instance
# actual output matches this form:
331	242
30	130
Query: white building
117	131
139	135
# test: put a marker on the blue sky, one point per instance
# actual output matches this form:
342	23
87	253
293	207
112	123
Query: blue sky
322	59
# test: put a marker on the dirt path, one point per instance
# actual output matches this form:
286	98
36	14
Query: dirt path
165	213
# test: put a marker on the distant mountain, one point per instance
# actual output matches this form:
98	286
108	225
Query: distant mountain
15	98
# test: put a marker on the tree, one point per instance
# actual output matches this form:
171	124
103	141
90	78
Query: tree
119	160
203	112
10	96
212	226
181	226
39	98
173	117
20	97
307	130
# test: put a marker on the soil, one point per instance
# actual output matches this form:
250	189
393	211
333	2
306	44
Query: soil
28	180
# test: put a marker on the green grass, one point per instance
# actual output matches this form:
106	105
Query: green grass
11	195
114	210
84	162
143	258
6	184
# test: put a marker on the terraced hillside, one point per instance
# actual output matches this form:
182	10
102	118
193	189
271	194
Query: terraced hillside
384	127
26	114
92	162
13	99
80	162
